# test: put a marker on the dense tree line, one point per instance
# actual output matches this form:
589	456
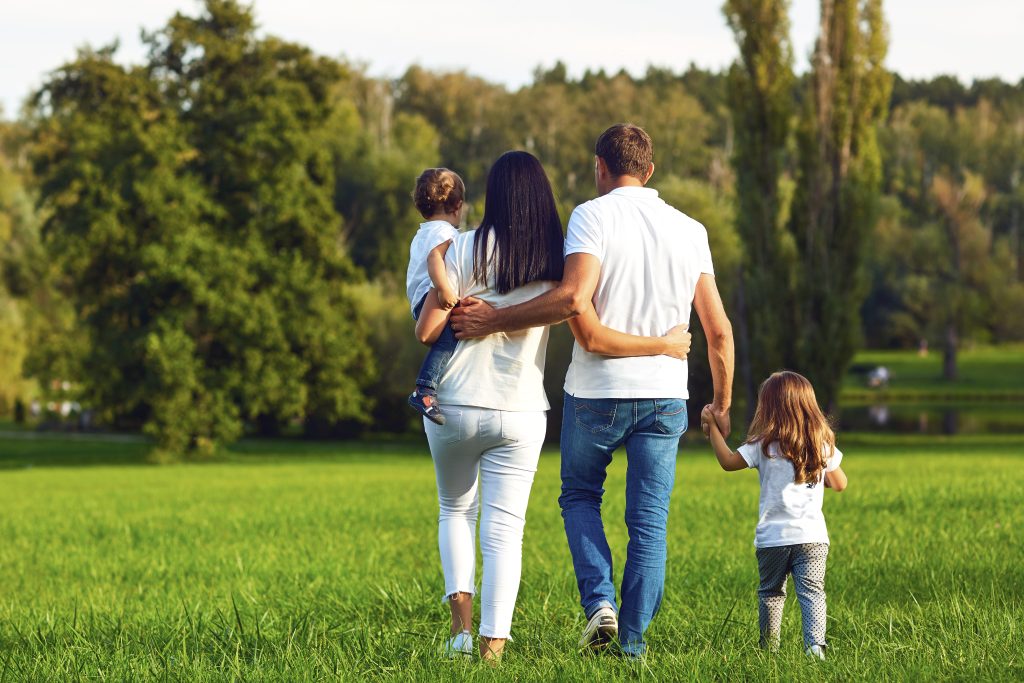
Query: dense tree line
214	241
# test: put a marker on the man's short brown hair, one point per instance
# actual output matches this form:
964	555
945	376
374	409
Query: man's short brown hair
626	150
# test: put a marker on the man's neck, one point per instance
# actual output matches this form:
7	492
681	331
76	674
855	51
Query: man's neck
622	181
626	181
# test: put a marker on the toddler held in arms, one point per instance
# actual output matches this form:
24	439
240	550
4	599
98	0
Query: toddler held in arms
793	449
438	196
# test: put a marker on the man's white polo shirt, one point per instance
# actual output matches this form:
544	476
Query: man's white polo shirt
651	258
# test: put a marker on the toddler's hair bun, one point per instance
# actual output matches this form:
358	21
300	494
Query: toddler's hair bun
438	190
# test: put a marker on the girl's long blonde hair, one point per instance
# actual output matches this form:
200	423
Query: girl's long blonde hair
788	416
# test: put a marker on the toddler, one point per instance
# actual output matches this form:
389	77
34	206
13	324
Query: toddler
793	449
438	196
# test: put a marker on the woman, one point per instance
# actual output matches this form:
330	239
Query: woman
493	393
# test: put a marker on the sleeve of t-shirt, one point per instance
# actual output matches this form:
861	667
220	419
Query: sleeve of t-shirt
704	252
584	234
833	463
751	453
440	235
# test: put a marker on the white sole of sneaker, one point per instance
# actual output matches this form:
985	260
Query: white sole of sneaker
598	636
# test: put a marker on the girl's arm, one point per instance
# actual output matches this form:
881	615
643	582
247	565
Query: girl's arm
836	479
729	460
432	320
446	297
596	338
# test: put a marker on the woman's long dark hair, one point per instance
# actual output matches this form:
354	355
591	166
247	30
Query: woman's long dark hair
520	211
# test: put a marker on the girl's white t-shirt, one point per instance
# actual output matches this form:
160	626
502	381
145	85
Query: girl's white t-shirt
417	279
503	371
788	513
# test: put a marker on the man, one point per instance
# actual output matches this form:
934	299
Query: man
639	265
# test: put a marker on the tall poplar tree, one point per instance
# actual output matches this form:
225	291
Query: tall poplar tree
760	96
838	186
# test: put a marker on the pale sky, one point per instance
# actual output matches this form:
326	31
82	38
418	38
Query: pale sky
506	42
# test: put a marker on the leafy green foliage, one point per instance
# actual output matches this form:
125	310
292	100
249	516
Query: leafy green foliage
205	219
947	259
838	186
760	96
19	256
190	207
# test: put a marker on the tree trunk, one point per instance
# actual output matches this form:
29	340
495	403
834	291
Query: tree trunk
949	369
1017	239
1015	236
744	345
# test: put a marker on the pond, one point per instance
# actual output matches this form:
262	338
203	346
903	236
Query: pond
934	418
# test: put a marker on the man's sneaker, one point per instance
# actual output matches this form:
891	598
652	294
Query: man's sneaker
426	404
816	651
459	645
601	630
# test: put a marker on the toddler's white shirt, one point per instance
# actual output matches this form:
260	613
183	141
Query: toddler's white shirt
417	279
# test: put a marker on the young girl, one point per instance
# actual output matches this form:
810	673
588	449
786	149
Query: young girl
793	449
439	195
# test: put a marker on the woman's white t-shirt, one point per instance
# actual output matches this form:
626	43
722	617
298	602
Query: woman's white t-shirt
503	371
788	513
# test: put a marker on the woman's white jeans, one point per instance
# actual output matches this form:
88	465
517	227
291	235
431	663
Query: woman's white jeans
488	456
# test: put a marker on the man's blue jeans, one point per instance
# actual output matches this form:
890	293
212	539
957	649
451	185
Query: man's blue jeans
591	431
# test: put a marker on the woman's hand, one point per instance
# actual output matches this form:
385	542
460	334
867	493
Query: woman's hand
678	339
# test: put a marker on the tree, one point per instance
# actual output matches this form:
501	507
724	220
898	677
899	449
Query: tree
257	111
377	155
190	209
961	269
19	260
944	252
838	187
760	96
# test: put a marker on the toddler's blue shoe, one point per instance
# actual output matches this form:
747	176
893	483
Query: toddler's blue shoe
425	403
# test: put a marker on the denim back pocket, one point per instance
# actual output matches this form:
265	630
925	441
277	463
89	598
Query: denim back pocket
595	414
670	416
451	430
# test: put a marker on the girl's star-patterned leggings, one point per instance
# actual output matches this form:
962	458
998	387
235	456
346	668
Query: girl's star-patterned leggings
806	562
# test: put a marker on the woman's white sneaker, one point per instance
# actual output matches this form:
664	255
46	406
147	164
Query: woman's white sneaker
459	645
602	629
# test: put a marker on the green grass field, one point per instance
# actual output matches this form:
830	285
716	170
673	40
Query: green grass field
304	561
985	372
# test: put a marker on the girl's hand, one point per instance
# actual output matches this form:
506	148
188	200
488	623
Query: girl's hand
707	418
678	339
446	299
